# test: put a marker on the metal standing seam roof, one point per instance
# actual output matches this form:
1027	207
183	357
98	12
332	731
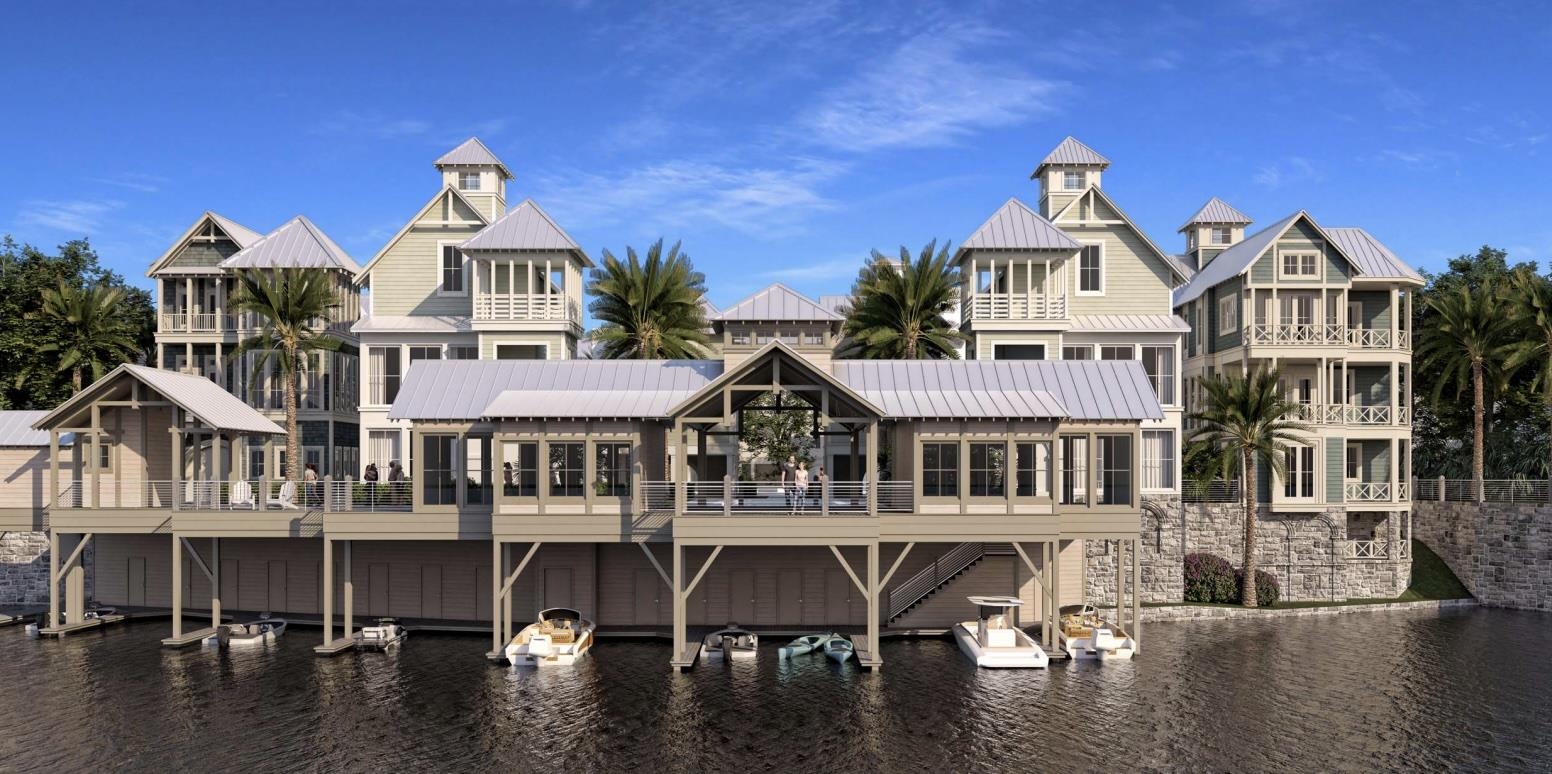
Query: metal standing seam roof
296	244
1372	257
1216	211
1129	323
1236	259
476	389
1024	389
210	404
240	235
1014	226
16	430
836	303
527	227
776	303
472	153
412	324
1070	152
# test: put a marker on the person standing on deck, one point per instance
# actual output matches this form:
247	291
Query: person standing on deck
800	482
789	471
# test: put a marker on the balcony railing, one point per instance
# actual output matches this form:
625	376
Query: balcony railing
526	306
839	498
196	322
1367	492
1336	414
1379	549
1298	333
999	306
1378	338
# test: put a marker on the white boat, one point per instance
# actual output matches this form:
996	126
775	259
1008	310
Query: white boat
263	631
839	649
388	633
1083	634
804	645
558	638
730	644
993	641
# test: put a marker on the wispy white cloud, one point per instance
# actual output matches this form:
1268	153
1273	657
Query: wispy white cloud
1419	158
379	126
1289	171
134	181
831	269
76	216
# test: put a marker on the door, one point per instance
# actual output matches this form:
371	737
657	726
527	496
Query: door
377	589
229	576
838	589
741	595
557	587
1355	315
135	592
277	586
482	592
431	591
648	587
789	597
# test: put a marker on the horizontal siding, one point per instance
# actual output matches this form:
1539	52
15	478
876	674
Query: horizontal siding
1136	281
405	280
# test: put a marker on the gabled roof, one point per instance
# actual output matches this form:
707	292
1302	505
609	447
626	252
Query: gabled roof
296	244
836	303
1071	153
1175	264
1373	259
421	213
1005	389
214	407
1238	259
240	235
766	355
527	227
16	430
472	153
777	303
477	389
1217	212
1014	226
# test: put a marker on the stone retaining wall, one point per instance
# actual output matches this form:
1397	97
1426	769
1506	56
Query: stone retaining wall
1207	613
24	568
1502	552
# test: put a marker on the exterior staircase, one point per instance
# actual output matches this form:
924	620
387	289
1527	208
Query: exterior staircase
915	590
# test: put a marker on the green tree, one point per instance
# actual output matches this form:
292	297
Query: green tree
87	331
772	434
649	310
899	309
293	308
1247	420
1533	305
1467	345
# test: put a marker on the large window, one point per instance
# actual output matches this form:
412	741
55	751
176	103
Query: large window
1115	469
383	375
1159	362
425	353
612	466
1300	479
566	469
1221	236
452	271
1075	470
382	447
1158	459
521	351
1228	315
520	469
1034	470
439	472
1078	352
1018	352
463	353
1301	264
1297	309
1117	352
988	470
1091	269
940	470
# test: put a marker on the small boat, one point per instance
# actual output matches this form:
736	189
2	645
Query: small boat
1083	634
388	633
264	631
558	638
993	641
730	644
99	612
804	645
839	649
40	620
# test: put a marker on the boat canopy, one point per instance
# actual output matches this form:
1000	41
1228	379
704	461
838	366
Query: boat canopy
559	614
996	601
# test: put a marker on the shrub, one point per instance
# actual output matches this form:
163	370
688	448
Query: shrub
1267	591
1210	578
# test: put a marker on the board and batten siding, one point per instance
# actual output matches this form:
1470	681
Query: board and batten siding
405	281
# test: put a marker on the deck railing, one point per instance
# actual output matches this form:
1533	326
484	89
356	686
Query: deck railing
1379	549
1298	333
1001	306
770	497
1367	492
913	589
525	306
115	494
1501	490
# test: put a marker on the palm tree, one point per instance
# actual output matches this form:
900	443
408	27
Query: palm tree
1246	418
1533	304
292	308
1469	344
649	310
898	310
90	330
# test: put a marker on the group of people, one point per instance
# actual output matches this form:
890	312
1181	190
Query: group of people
370	475
795	478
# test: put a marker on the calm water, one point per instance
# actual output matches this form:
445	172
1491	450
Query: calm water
1382	691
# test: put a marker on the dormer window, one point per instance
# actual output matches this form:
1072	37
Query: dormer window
468	181
1221	236
1072	181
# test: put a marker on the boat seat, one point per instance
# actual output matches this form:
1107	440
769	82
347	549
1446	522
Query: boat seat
562	636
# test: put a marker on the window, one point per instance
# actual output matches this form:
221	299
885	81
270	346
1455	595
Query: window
1158	459
477	473
1297	309
1075	469
789	338
440	476
1078	352
521	352
762	337
1034	470
1300	264
566	471
988	470
1115	469
382	448
1018	352
255	463
1117	352
739	339
463	353
425	353
452	271
1228	315
520	469
468	181
383	375
1221	236
940	470
104	457
1354	471
813	339
1300	480
1091	269
1072	181
612	466
1159	362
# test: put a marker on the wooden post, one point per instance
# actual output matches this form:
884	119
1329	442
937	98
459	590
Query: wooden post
53	578
506	602
328	591
215	582
497	573
349	601
1120	582
873	612
1136	594
679	606
177	586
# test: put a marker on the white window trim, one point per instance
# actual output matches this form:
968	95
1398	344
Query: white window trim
1174	448
1280	483
496	345
366	366
479	181
1078	274
1228	315
1064	173
1212	235
467	279
1282	264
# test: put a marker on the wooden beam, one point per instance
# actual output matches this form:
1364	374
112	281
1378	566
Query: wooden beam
70	560
193	554
885	580
847	567
697	579
1029	563
506	588
656	565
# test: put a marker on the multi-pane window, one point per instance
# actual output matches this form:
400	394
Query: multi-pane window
1300	264
452	269
469	181
1075	470
255	463
1078	352
383	375
425	353
1221	236
1228	315
1034	469
1297	309
1158	459
382	448
813	339
612	466
1300	478
739	339
566	469
988	470
463	353
1018	352
1116	352
439	474
940	470
1091	269
520	469
1072	181
763	337
1114	457
1159	362
1354	471
105	457
790	338
477	472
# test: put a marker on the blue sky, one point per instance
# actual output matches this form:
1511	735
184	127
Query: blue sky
779	142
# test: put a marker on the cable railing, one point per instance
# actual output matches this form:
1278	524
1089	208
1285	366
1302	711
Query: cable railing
926	580
1218	491
772	498
1531	491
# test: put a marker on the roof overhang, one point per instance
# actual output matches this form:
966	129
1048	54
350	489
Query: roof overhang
779	367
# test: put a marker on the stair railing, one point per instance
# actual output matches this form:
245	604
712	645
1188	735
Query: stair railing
916	588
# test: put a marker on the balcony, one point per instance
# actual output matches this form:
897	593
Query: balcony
195	322
490	307
1375	492
738	498
1327	414
1003	306
1299	334
1378	338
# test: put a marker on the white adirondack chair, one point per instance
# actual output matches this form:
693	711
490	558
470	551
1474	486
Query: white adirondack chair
286	498
241	496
